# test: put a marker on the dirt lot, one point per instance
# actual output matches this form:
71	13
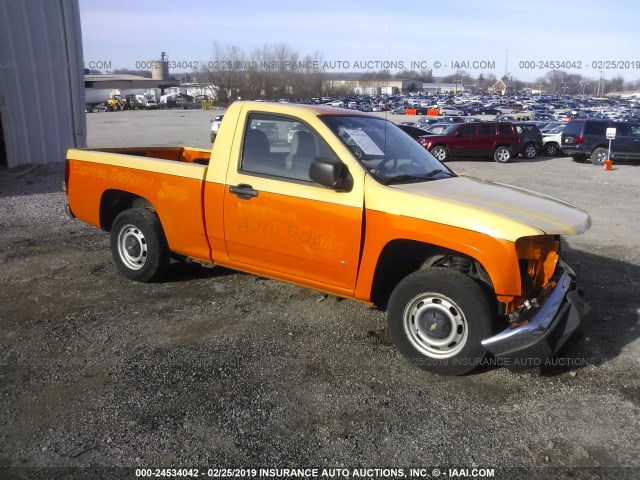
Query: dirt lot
213	368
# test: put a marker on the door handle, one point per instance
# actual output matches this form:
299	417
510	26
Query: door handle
243	191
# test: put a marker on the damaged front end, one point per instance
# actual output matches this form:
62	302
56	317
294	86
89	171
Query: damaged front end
548	312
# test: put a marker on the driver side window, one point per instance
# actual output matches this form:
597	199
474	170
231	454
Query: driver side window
281	147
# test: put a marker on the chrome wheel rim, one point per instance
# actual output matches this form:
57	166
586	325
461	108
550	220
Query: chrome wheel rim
601	157
503	155
132	247
439	153
530	152
435	325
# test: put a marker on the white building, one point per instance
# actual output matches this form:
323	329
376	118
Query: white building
41	81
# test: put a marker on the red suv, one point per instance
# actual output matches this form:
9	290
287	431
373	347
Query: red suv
499	140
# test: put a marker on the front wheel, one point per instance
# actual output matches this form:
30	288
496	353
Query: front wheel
139	246
437	318
551	149
502	155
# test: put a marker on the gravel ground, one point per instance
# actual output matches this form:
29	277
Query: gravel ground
214	368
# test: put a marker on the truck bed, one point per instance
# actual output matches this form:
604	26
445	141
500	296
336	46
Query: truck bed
170	180
176	154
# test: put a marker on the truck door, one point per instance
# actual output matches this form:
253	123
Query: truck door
277	221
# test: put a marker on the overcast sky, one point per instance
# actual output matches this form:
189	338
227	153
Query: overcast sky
126	32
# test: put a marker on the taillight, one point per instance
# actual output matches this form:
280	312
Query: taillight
580	139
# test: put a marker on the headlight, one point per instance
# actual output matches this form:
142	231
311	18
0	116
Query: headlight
538	257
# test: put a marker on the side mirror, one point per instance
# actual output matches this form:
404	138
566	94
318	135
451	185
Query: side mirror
331	173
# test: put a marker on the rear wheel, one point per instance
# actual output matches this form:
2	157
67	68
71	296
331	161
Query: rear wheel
139	246
502	155
529	151
440	153
437	318
599	155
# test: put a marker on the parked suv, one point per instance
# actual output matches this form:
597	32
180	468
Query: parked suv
530	139
587	139
487	139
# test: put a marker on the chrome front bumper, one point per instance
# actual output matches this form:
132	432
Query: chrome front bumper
542	331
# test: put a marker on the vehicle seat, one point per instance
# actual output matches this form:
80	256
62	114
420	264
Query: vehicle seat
303	152
256	152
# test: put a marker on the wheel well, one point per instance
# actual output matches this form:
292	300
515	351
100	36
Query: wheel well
400	258
114	202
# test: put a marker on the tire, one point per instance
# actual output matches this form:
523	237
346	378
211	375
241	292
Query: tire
213	137
598	156
529	151
139	246
440	153
452	308
502	155
551	149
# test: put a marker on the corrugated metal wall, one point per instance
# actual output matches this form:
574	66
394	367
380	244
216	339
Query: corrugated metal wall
41	80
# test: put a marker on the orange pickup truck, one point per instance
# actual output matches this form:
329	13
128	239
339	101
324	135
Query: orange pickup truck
346	203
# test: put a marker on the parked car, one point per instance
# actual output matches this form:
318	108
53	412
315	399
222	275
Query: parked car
551	141
413	132
424	122
547	127
215	125
268	128
484	111
487	139
586	139
438	128
452	120
530	139
451	111
295	127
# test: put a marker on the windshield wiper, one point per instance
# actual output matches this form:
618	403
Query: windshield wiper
435	172
424	176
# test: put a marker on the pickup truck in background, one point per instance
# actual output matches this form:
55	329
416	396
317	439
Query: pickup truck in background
468	270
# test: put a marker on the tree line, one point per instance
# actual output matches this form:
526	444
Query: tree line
276	71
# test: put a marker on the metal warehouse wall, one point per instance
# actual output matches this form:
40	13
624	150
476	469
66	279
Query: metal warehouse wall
41	80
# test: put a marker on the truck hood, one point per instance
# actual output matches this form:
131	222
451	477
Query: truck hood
496	209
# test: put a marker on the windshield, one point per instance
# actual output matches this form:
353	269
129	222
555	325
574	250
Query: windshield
387	152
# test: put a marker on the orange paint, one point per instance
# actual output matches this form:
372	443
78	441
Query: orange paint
498	257
177	201
307	240
177	154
